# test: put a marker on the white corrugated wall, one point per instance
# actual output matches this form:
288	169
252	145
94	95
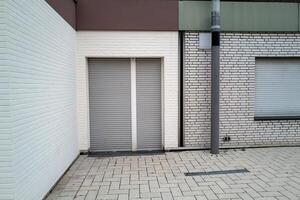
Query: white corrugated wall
129	44
40	74
7	181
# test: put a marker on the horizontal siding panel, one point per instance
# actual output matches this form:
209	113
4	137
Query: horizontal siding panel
7	181
40	60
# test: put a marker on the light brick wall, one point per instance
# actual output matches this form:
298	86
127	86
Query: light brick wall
237	90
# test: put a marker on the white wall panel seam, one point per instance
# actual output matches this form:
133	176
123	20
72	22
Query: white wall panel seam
133	104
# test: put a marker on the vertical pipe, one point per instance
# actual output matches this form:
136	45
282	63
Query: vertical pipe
215	70
181	82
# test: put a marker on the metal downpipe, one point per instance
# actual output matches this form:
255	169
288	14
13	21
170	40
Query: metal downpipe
215	71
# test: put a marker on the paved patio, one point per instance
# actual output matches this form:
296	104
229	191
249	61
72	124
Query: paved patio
274	174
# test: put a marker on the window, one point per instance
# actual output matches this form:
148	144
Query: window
277	88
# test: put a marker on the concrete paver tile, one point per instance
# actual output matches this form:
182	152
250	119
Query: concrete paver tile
274	175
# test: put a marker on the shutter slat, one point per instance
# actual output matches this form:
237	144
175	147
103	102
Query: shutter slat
148	93
110	107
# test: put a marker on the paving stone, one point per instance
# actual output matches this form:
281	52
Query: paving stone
123	197
166	196
91	195
176	192
134	193
107	196
274	175
65	198
185	198
79	198
82	192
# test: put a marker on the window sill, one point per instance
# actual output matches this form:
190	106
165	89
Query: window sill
268	118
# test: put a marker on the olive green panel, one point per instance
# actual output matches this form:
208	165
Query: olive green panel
241	16
194	15
253	16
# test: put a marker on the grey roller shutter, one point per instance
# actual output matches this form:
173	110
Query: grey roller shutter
148	99
277	87
110	107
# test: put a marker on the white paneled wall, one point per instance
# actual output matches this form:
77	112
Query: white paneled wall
39	70
6	159
129	44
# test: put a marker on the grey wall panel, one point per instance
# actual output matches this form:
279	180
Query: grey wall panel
148	98
110	107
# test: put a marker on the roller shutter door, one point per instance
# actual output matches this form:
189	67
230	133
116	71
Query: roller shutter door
148	99
110	106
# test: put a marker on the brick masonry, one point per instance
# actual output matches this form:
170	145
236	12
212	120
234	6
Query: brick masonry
237	90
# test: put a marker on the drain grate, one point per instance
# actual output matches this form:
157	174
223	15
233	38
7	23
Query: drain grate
234	171
125	153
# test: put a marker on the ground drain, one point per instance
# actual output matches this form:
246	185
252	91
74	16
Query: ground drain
124	153
235	171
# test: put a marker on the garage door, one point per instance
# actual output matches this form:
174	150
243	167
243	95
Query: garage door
125	104
148	100
110	105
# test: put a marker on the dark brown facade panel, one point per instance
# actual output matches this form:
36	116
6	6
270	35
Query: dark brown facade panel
139	15
66	9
